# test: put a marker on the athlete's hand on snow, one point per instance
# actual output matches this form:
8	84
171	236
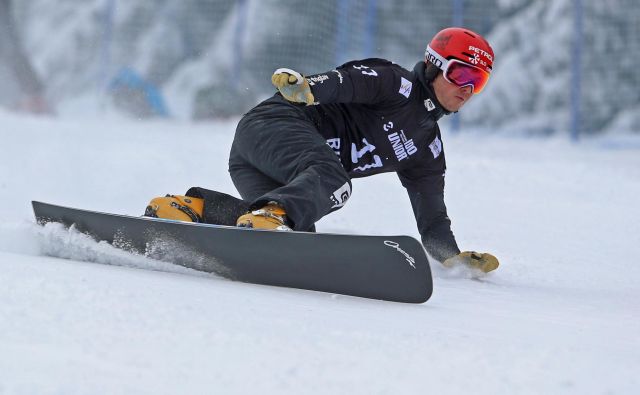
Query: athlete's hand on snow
293	86
483	261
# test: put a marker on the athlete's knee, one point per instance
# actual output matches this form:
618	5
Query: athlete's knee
322	158
236	162
244	139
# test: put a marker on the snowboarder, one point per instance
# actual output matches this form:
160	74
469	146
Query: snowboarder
294	155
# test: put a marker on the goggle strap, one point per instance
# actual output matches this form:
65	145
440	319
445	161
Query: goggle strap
436	58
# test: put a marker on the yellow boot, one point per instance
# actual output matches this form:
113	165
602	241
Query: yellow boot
271	216
176	207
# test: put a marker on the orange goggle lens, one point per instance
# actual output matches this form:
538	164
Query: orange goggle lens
462	74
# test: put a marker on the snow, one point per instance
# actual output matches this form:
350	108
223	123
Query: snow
560	315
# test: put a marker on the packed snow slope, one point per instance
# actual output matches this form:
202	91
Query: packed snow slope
560	315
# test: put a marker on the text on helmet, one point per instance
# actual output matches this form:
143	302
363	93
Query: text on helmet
481	52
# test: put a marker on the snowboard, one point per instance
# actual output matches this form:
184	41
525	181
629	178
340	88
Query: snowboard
393	268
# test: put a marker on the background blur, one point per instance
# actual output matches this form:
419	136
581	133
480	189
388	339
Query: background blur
565	66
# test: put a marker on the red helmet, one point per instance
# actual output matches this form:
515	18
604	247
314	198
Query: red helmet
464	57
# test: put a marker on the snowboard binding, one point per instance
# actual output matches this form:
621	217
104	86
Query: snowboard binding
271	217
176	207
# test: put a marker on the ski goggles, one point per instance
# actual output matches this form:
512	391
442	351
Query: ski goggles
458	72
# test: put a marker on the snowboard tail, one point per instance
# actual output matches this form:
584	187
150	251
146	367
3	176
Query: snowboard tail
393	268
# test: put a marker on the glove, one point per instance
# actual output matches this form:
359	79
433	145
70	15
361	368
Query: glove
293	86
483	261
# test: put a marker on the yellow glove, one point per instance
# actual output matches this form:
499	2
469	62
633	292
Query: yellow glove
293	86
483	261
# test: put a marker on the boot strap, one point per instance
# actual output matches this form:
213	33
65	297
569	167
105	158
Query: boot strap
268	214
185	209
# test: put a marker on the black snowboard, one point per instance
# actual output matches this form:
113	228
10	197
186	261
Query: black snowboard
393	268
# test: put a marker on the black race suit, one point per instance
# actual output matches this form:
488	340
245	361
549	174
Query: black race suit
371	116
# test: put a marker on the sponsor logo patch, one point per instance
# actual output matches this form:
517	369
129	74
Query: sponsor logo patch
317	79
436	147
480	52
429	105
405	87
341	195
411	260
402	147
432	59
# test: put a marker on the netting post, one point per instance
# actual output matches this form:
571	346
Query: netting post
457	19
238	41
107	40
342	30
371	28
576	69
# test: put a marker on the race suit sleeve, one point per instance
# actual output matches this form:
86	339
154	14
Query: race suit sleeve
426	193
368	81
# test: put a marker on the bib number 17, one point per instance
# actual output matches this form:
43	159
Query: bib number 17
366	70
